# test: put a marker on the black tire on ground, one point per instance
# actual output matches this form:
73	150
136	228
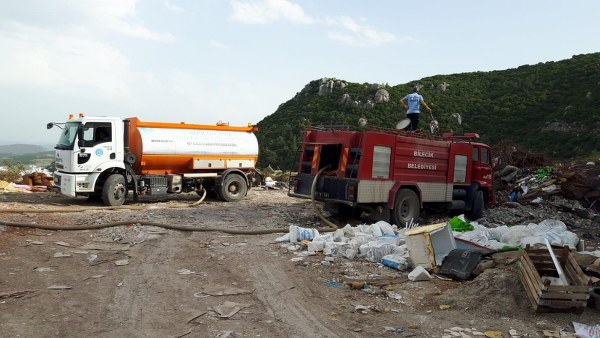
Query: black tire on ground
233	188
406	208
478	206
114	190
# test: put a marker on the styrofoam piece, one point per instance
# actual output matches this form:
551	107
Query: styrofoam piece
335	248
389	239
316	246
419	274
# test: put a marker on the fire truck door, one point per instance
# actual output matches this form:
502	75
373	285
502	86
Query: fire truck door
459	168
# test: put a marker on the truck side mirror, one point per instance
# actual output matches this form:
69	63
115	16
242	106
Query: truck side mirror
50	125
80	142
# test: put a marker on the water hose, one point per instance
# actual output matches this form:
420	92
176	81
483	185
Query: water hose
332	227
313	188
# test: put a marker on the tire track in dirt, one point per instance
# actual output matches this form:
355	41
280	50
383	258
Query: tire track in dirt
289	302
148	295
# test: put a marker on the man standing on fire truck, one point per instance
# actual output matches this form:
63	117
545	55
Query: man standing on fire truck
414	100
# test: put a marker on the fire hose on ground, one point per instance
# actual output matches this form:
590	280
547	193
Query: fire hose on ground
330	228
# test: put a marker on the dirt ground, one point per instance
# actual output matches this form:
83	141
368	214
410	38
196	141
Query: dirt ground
146	281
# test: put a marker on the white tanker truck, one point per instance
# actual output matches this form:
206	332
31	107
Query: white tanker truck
106	157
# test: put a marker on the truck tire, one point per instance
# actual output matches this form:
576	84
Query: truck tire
233	188
406	208
478	206
114	190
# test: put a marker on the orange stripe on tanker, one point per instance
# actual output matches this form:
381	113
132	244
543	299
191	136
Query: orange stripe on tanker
315	157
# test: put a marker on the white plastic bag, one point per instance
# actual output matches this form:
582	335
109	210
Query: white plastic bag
515	235
375	251
298	234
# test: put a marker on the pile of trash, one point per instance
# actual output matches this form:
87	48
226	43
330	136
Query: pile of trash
14	187
270	184
29	181
554	231
578	180
424	246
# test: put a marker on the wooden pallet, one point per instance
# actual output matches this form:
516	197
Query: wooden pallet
544	297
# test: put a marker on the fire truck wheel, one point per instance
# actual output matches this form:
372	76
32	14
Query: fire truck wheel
234	188
406	207
114	190
477	209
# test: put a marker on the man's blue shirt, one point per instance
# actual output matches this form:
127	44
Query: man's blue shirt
414	102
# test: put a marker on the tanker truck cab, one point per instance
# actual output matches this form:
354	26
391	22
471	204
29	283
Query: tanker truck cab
87	151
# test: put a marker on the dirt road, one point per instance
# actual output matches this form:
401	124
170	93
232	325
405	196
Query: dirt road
142	281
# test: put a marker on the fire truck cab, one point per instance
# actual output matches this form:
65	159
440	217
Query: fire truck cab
393	172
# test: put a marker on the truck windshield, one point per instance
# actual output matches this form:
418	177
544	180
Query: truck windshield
67	137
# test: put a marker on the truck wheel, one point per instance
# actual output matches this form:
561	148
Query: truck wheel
406	208
233	188
114	190
478	206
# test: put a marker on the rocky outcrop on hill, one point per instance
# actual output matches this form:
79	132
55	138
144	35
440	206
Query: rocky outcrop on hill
382	95
327	85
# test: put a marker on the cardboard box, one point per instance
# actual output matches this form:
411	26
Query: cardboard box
27	180
428	245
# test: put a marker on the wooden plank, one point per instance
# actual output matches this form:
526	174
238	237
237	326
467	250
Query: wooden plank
564	255
565	296
586	280
574	279
546	266
530	285
529	289
532	273
561	303
571	288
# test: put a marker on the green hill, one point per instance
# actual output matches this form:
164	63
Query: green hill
551	108
40	159
21	149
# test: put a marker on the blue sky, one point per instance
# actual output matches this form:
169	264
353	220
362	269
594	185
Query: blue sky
237	61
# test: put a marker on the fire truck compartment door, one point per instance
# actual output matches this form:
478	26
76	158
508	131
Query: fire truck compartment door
459	170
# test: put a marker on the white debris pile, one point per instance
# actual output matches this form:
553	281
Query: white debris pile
495	238
379	242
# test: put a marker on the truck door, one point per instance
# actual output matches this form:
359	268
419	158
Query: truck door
482	169
97	146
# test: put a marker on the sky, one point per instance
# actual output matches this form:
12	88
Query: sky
236	61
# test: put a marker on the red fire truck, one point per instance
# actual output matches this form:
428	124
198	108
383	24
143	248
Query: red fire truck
394	173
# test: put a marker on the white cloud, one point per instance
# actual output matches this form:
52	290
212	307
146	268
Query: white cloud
58	62
266	11
217	44
118	16
349	31
172	7
358	34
